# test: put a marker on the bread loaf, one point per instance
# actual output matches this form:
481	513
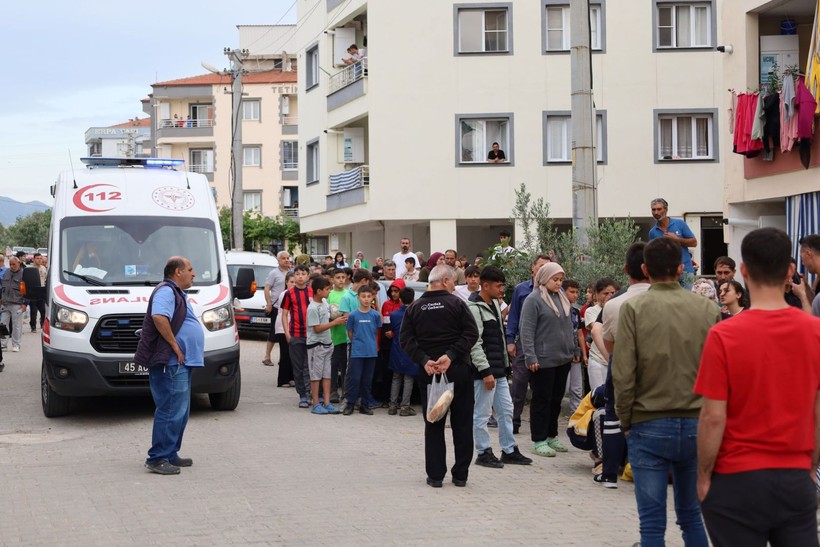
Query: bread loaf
440	408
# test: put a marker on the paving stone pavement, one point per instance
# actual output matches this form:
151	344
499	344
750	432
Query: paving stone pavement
270	473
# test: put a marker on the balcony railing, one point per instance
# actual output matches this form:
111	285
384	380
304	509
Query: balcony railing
202	122
289	165
290	212
348	75
290	120
201	168
348	180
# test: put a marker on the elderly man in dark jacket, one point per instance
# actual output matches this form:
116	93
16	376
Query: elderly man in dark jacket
438	333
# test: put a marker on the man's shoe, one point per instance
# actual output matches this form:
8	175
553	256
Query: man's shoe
541	448
319	409
183	462
33	329
2	366
407	411
434	483
492	422
461	483
366	410
556	445
332	409
15	348
162	468
303	403
515	429
393	409
488	459
606	482
515	457
348	410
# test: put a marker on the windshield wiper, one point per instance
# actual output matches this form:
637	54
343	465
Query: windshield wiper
88	279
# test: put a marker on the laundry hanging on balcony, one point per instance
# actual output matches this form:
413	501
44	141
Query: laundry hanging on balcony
346	180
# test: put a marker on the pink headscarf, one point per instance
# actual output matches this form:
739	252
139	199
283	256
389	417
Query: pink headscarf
544	274
433	260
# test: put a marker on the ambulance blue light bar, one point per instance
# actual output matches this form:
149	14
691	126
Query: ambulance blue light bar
133	162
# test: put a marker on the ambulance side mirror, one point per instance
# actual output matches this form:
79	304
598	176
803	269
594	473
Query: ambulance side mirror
31	287
245	286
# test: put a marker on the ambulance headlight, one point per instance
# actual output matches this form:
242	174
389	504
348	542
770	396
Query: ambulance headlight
218	318
68	319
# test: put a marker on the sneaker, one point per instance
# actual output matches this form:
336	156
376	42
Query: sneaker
556	445
332	409
515	457
366	410
162	468
393	409
348	410
407	411
492	422
606	482
33	329
319	409
303	403
541	448
183	462
15	348
488	459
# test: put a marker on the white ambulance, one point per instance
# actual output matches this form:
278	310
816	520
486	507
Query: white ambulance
114	225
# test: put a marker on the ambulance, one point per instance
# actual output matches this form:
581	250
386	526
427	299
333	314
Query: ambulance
114	225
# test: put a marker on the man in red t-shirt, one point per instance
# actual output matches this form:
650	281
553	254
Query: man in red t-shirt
757	438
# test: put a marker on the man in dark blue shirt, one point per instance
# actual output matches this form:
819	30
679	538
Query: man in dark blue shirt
521	374
673	228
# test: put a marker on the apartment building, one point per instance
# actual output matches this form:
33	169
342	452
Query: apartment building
782	190
128	139
191	120
396	144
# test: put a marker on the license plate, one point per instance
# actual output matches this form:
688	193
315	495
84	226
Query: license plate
128	367
265	320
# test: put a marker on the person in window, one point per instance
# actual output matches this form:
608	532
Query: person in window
87	257
496	155
355	53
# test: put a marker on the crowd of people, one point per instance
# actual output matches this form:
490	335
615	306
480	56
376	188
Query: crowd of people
665	382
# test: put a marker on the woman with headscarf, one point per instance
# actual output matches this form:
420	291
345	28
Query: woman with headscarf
360	256
547	341
434	260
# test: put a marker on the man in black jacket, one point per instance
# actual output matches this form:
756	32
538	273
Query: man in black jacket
438	333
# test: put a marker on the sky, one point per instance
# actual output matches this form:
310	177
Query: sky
88	63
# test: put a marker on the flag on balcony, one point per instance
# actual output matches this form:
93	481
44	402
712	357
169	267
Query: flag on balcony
802	219
346	180
813	62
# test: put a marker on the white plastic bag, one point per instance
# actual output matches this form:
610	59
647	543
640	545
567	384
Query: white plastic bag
439	397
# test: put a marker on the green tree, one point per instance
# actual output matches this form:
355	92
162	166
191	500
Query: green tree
260	231
31	230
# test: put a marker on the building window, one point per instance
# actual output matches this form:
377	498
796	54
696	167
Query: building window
476	133
680	25
556	26
202	161
250	110
290	155
312	161
252	201
95	149
558	137
202	115
290	197
483	28
312	62
685	135
317	246
252	156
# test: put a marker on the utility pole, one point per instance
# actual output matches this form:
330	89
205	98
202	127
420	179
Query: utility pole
584	157
237	199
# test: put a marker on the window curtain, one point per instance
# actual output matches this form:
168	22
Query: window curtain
702	134
684	137
666	139
683	26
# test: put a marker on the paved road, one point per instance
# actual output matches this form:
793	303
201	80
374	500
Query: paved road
270	473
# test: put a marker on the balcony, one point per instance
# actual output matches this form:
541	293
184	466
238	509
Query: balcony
347	84
181	129
348	188
290	125
207	170
291	213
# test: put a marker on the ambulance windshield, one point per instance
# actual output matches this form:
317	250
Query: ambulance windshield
133	250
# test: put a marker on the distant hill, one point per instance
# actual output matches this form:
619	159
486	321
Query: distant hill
11	209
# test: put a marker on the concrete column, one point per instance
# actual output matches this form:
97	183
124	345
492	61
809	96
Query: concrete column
443	235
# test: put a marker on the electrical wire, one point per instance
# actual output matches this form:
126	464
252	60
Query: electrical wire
271	27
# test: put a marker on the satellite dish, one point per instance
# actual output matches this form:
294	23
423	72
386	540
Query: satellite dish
210	68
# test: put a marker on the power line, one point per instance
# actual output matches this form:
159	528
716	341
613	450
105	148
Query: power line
271	28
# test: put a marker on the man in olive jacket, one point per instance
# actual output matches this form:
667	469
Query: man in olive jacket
661	334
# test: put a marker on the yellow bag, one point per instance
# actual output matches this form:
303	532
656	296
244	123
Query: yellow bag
627	474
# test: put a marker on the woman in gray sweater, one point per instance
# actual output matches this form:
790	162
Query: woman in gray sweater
547	341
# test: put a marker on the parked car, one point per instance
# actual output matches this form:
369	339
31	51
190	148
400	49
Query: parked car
250	313
29	253
43	251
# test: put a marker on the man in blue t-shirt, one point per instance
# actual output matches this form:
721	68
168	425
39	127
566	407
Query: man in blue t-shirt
673	228
170	380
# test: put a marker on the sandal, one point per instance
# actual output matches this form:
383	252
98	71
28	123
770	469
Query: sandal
556	445
541	448
267	362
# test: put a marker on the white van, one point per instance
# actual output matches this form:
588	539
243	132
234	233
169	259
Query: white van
250	312
114	225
